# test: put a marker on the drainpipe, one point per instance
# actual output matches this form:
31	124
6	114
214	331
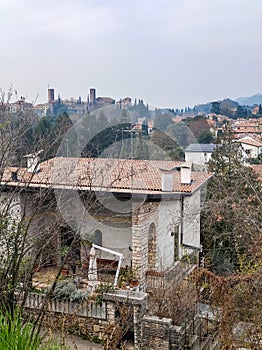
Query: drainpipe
120	256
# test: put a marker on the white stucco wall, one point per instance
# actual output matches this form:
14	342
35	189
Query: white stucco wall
198	158
170	215
253	151
118	239
191	226
105	216
168	218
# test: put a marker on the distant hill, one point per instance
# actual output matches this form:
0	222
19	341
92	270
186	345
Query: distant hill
251	100
224	105
202	108
227	103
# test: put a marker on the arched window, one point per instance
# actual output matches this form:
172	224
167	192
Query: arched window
152	247
97	237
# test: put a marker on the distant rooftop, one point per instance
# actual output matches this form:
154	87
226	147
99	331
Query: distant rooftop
201	147
250	142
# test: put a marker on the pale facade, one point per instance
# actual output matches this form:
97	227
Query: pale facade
199	154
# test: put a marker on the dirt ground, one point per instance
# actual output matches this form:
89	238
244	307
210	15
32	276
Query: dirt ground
76	343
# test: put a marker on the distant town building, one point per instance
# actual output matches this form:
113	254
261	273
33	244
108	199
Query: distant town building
251	147
51	95
243	128
124	103
102	101
19	106
92	97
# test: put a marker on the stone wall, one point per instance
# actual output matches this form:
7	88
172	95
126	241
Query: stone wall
162	334
103	322
155	333
94	321
142	218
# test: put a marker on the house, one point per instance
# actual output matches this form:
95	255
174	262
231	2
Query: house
199	154
251	147
149	211
243	128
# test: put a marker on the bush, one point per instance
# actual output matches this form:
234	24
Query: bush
66	289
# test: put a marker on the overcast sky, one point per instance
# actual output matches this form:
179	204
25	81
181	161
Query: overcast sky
170	53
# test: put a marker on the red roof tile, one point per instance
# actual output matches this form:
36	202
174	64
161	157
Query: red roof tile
103	174
250	142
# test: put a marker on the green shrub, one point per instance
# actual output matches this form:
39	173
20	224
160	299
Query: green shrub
15	334
66	289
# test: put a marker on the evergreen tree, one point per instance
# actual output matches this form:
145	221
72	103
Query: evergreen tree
231	219
215	107
205	137
145	127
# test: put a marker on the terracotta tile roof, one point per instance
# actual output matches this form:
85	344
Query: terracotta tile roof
185	188
251	142
247	125
247	131
103	174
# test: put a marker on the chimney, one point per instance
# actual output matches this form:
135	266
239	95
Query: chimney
186	173
167	182
33	162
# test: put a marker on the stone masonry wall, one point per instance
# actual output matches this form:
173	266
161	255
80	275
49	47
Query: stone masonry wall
144	216
155	333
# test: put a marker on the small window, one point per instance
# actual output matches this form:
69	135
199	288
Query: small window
14	176
175	234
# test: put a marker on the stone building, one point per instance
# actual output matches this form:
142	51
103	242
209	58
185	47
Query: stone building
149	211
